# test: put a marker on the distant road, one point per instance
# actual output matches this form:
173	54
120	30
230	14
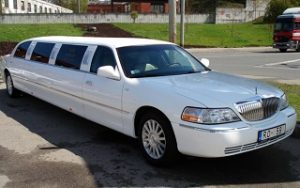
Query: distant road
258	63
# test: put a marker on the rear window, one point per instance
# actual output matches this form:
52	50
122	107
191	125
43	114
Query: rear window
22	49
70	56
41	52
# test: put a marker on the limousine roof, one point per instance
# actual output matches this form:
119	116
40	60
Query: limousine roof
112	42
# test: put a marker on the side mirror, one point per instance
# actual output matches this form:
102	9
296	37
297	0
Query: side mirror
109	72
205	61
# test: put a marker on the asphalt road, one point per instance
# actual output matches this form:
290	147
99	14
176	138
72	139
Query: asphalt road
258	63
44	146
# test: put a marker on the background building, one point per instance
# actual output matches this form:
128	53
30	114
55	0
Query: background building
31	6
125	6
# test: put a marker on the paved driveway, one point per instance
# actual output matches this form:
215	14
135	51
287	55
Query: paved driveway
44	146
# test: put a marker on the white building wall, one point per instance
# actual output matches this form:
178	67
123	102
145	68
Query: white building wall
254	9
23	6
98	18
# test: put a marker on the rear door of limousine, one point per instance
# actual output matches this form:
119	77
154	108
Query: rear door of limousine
56	75
20	67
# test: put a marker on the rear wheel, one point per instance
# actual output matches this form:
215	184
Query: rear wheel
11	90
298	47
282	50
156	139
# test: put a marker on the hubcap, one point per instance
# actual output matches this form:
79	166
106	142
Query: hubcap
154	140
9	85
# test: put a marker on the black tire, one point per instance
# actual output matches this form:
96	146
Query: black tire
170	153
282	50
298	48
11	90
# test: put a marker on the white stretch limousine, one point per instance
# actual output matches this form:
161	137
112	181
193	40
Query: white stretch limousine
151	90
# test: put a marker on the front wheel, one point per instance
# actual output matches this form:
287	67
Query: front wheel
157	140
11	90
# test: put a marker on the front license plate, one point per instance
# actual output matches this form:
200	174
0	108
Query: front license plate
271	133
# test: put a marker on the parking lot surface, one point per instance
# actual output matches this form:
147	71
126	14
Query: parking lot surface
262	63
44	146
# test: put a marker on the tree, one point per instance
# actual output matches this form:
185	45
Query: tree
276	8
134	15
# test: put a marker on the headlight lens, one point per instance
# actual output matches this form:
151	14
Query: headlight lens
209	115
283	102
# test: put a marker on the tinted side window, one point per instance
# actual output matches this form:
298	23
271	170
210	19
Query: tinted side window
41	52
22	49
103	57
70	56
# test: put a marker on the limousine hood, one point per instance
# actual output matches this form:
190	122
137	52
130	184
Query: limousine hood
214	90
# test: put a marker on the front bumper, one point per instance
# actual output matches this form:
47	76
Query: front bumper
286	45
239	137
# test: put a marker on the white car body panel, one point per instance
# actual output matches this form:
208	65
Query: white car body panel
114	103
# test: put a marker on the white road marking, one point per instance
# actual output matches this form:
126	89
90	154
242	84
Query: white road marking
278	68
282	62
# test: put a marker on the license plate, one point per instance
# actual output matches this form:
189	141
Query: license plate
271	133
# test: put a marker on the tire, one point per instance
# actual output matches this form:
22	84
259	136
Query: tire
156	139
282	50
298	47
11	90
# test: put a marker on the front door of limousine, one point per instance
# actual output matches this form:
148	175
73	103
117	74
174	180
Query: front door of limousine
103	95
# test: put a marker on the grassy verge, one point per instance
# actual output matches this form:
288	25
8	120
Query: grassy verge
293	95
209	35
18	32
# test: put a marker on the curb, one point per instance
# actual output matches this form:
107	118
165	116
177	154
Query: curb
247	49
296	132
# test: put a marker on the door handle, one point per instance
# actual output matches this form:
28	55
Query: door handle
89	82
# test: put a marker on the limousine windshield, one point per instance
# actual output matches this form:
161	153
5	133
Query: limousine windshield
157	60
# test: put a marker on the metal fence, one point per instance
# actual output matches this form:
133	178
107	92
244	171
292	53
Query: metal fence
98	18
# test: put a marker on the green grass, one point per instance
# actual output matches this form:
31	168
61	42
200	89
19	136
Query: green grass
209	35
293	95
18	32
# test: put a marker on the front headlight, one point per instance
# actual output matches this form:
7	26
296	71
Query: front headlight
283	102
209	115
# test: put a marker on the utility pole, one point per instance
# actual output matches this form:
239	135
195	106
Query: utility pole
182	11
172	21
78	4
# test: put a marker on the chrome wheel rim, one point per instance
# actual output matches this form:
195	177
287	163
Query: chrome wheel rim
9	85
154	139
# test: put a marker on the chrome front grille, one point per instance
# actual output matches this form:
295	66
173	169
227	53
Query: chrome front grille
258	108
270	106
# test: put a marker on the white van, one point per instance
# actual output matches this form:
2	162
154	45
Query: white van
151	90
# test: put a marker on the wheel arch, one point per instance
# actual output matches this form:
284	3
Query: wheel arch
143	110
6	73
